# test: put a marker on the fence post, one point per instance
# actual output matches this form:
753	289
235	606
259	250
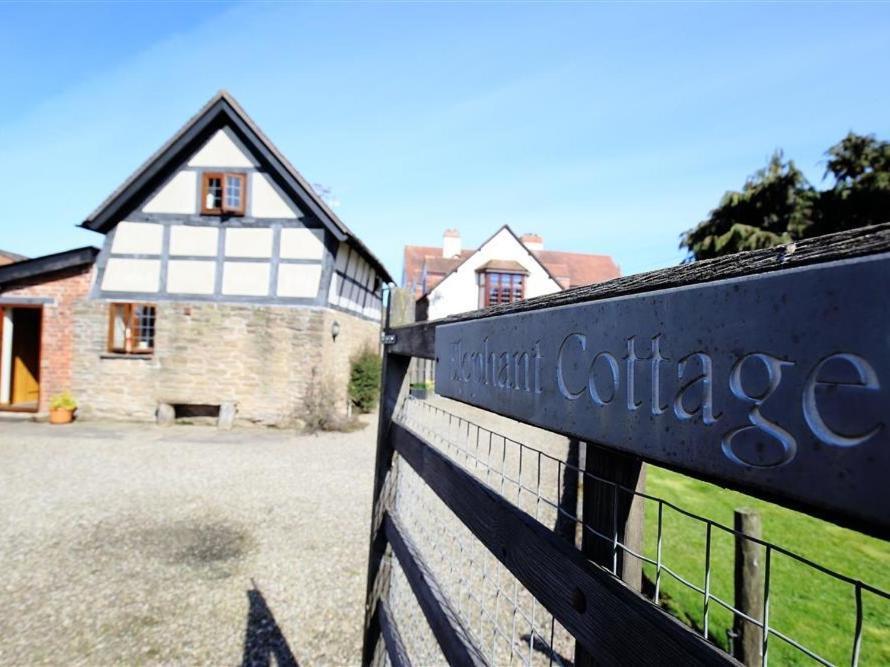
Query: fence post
747	637
392	378
619	517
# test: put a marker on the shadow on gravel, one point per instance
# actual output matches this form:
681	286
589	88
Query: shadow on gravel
263	638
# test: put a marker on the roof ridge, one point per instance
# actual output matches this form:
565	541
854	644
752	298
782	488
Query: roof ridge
236	113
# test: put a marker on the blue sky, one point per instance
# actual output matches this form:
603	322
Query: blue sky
606	128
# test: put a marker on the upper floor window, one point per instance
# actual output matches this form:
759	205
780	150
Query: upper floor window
131	328
223	193
498	287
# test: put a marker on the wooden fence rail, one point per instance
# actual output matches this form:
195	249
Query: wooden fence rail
767	372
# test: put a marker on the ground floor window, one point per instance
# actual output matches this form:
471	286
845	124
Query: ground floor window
131	328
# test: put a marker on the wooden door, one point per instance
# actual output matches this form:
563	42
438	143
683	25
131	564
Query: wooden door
25	355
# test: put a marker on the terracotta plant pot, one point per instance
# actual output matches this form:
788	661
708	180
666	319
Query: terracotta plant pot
60	416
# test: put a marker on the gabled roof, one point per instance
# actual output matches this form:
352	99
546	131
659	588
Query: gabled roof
416	257
573	269
48	264
221	110
9	257
568	269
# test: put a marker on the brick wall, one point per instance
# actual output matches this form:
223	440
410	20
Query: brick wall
57	328
260	357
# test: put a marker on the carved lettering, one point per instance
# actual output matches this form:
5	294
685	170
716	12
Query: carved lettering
560	374
754	378
591	378
630	360
868	380
517	366
756	420
705	380
655	361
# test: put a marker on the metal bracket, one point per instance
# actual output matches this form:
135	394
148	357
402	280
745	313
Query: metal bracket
388	339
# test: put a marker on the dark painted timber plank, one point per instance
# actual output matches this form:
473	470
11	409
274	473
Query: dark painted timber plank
415	340
392	638
394	368
776	384
616	625
453	638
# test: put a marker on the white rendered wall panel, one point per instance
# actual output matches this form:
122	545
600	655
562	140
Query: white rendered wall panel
264	200
179	195
242	242
221	151
144	238
187	240
131	275
300	244
299	280
246	278
191	276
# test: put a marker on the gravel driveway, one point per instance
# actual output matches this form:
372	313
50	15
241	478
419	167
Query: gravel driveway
124	543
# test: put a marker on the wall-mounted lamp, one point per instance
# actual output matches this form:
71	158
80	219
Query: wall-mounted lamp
335	329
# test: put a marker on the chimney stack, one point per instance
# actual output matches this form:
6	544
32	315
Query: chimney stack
451	243
532	241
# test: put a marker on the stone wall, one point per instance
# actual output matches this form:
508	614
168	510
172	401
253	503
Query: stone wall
259	357
56	348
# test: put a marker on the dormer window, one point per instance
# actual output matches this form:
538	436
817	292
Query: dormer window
501	281
223	194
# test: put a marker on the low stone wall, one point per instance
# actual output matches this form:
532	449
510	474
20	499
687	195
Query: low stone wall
262	358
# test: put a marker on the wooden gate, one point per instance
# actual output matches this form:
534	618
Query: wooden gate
766	372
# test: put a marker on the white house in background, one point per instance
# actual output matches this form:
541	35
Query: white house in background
505	268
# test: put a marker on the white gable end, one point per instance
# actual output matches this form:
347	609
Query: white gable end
459	291
265	202
179	195
221	151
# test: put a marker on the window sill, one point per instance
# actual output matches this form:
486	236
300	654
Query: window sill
116	355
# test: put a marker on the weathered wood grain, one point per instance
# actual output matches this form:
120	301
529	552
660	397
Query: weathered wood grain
392	638
453	638
392	380
612	511
614	624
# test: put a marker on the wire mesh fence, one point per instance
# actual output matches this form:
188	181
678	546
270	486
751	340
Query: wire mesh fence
506	623
510	626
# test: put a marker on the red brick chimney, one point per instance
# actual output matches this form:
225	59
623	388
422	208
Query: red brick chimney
532	241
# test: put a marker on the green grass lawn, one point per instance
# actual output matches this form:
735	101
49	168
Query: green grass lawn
805	604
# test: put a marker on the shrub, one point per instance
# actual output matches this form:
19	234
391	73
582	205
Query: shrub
64	401
364	379
319	408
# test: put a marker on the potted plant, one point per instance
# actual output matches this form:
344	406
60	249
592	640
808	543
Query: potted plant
61	408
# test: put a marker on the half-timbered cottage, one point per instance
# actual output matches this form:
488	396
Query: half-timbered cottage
223	280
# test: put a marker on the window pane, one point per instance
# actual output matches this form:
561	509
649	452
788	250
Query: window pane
504	287
118	327
144	323
233	192
214	193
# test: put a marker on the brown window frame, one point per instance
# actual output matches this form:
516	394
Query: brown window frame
223	177
486	301
133	327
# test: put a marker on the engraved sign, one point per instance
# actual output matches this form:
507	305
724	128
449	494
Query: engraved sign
778	383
